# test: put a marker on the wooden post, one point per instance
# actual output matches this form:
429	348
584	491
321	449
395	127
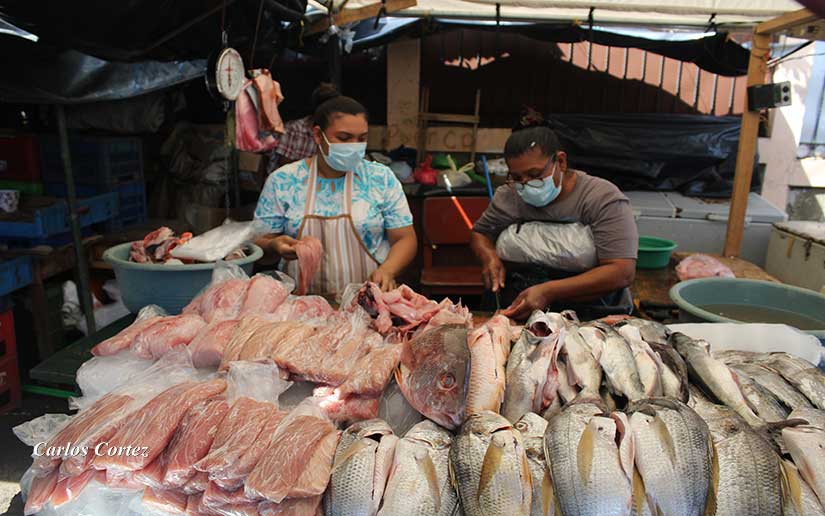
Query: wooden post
477	114
403	87
757	69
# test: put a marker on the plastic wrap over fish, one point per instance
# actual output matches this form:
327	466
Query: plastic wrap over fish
566	247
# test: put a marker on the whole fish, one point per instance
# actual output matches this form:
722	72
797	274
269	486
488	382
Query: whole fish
647	362
488	466
764	403
806	445
673	455
527	366
714	376
532	428
651	331
360	469
769	379
433	373
799	499
736	356
419	483
814	417
591	461
615	357
784	363
674	372
582	367
489	347
748	478
811	383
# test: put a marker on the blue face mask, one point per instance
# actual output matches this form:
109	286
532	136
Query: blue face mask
542	195
344	157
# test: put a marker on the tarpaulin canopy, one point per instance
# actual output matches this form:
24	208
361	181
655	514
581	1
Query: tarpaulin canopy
711	51
672	13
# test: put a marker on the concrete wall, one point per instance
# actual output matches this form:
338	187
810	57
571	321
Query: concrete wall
784	171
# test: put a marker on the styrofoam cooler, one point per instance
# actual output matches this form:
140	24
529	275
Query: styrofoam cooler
700	226
796	254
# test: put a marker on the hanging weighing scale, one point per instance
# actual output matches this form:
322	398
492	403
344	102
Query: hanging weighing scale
225	74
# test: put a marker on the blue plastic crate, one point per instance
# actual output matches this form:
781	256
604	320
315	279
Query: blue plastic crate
15	274
105	162
59	190
131	206
54	219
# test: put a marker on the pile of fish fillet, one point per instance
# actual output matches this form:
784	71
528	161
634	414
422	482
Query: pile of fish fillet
556	417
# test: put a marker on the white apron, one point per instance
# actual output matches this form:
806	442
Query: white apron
345	258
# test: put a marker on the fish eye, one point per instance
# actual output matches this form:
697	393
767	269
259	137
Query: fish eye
447	380
521	425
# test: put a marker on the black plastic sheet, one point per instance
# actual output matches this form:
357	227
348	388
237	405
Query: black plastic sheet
693	154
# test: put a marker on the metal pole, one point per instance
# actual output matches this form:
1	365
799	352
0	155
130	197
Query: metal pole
83	292
335	58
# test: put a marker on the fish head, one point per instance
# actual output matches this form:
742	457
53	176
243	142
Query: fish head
429	433
531	425
433	373
485	422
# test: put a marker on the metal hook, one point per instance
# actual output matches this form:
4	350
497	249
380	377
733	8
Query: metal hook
712	24
381	11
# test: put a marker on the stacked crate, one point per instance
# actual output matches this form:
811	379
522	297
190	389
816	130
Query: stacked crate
20	164
100	165
10	389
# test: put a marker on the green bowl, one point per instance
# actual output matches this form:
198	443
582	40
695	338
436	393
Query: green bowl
654	252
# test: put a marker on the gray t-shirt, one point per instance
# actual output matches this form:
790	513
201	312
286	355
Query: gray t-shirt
594	202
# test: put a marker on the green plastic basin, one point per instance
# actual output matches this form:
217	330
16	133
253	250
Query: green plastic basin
691	295
654	252
168	286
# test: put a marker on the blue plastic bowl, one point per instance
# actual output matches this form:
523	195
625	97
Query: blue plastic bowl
171	287
690	295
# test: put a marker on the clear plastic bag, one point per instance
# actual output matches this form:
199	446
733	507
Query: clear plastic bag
100	375
564	247
397	411
256	380
221	241
41	429
147	316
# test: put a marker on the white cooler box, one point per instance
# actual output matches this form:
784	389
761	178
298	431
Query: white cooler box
796	254
700	226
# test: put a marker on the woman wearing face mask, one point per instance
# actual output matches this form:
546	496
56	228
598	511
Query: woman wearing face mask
542	188
356	208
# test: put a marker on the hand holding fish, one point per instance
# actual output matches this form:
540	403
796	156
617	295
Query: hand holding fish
534	298
284	246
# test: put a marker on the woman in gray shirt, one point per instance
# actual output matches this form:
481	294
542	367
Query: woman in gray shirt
541	188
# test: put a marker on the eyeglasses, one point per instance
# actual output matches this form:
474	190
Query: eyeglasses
532	183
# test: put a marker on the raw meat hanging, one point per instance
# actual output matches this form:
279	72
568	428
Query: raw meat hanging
310	252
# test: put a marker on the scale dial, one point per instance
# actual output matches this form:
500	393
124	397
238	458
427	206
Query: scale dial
229	73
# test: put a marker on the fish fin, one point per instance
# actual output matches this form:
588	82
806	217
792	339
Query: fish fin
526	476
491	464
791	487
713	487
428	468
584	453
748	402
547	495
639	496
660	429
354	448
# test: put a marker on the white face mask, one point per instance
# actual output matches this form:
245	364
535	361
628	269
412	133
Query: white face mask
344	157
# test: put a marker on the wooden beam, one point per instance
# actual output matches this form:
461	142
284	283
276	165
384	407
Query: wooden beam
445	117
442	139
361	13
757	70
786	21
